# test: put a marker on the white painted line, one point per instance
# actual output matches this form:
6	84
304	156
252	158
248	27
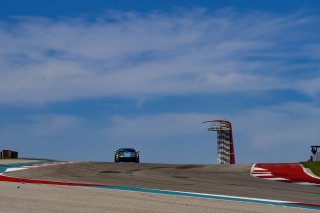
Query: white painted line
276	178
262	175
309	184
195	193
257	168
14	169
309	173
252	167
47	164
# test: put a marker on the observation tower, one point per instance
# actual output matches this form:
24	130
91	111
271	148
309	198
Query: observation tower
225	148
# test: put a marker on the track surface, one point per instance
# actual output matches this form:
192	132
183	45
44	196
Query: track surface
216	179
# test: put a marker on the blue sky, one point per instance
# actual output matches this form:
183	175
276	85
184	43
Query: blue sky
80	78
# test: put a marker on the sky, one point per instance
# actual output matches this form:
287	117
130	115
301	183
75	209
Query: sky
79	79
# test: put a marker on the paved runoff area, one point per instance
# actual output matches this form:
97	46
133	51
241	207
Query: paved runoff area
126	187
17	198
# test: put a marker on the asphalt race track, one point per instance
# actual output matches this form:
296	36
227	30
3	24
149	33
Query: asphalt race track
234	180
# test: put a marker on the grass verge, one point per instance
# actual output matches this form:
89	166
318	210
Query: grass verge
313	166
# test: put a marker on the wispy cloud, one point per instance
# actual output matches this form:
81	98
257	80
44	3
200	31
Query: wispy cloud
159	125
292	124
276	131
133	55
42	125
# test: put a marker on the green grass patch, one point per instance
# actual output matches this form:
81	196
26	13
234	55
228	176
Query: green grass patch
313	166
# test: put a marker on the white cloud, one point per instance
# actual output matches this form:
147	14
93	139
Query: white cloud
53	124
311	86
159	125
263	130
127	54
42	125
276	131
293	124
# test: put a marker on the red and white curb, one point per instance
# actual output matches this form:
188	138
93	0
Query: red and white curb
265	174
289	173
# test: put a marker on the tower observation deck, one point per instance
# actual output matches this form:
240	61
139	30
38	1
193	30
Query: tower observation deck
225	148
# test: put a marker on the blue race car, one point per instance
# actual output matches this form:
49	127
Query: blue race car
126	155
